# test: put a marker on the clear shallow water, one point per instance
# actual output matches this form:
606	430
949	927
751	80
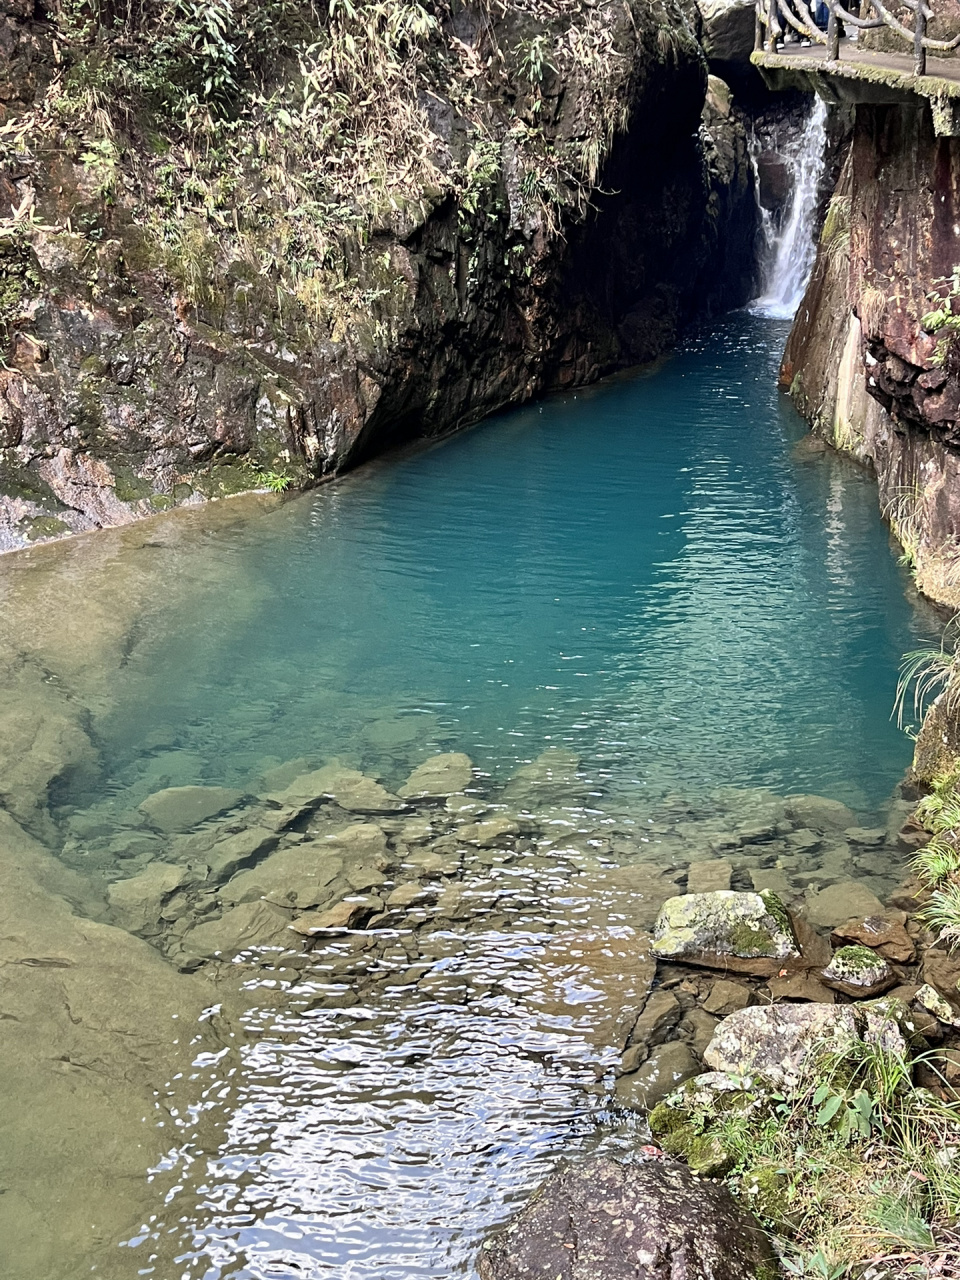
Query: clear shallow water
646	572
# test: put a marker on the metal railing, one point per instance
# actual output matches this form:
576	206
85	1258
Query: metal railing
777	18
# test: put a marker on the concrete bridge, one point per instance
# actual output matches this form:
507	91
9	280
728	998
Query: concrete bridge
871	56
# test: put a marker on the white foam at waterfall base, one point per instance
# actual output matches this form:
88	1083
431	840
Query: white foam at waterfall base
789	247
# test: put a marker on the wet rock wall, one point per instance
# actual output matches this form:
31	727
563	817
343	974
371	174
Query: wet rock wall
134	380
864	368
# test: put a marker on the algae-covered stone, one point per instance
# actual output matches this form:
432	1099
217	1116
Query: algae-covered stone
750	932
858	971
602	1220
776	1041
439	777
182	808
677	1122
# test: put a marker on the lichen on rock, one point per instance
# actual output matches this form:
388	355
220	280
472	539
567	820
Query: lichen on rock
749	931
602	1220
858	971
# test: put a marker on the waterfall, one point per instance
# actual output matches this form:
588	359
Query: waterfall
789	243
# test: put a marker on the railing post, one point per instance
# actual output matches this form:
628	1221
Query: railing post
758	27
833	34
919	32
771	26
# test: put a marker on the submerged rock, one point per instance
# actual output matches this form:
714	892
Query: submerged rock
439	777
182	808
252	924
551	779
667	1066
607	1221
857	971
139	901
709	877
349	788
820	813
301	877
747	932
828	908
352	913
775	1041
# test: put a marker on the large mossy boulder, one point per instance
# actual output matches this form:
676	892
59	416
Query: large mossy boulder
776	1042
608	1221
745	932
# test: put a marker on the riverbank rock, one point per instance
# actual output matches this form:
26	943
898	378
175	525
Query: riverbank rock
942	971
439	777
930	999
859	972
884	934
608	1221
182	808
677	1123
775	1041
745	932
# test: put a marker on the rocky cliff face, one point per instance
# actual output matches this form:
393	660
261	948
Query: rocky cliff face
872	359
233	268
